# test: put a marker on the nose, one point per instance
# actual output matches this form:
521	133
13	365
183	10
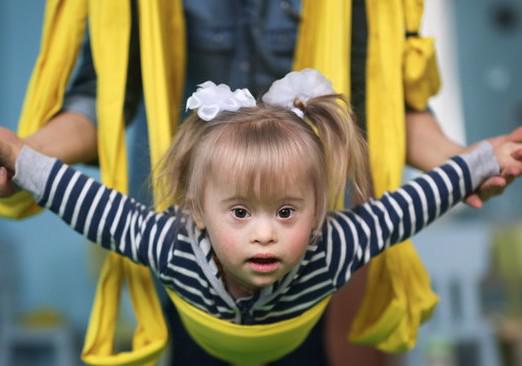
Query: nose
264	231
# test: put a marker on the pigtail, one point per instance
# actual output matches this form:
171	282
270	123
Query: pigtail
175	166
343	143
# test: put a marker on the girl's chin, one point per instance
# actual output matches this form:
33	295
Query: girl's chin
256	280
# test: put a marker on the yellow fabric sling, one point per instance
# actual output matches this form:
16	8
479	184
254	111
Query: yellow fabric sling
110	33
246	344
398	294
324	41
421	73
163	62
64	24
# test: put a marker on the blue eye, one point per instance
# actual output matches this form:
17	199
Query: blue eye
240	213
285	212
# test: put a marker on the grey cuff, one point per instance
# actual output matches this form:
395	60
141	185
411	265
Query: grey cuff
482	163
32	171
82	104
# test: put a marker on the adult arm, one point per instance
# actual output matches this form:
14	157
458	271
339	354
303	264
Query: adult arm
427	144
69	136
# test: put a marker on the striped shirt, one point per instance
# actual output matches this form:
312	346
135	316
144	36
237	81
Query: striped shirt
181	256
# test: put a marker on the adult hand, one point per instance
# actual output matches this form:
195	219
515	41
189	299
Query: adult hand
10	146
68	136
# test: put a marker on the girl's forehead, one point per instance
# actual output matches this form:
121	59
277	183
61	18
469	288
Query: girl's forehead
261	162
262	184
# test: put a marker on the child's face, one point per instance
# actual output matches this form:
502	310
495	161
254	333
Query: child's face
257	243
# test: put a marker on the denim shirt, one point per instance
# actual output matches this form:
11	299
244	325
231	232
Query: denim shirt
243	43
246	43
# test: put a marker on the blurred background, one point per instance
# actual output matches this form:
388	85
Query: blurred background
48	274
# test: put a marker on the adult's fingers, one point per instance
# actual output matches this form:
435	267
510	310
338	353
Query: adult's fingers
515	135
489	188
6	185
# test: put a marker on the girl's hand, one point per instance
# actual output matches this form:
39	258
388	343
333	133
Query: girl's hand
495	185
509	157
10	146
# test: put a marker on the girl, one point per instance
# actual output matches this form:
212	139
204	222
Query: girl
249	240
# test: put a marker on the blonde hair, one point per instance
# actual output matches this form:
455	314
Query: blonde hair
265	148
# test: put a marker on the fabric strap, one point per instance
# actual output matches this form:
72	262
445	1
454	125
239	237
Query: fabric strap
110	24
163	62
398	296
62	35
421	73
162	44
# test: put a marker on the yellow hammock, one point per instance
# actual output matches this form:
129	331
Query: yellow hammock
398	296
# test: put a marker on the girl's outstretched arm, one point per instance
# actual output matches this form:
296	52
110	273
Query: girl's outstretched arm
103	215
354	236
428	147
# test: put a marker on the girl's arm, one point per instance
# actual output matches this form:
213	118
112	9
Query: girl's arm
103	215
428	147
353	237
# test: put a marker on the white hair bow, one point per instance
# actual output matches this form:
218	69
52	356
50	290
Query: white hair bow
210	99
301	85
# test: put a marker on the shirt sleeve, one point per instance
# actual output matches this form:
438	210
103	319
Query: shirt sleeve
105	216
355	236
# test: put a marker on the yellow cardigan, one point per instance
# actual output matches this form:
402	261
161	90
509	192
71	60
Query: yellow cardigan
398	68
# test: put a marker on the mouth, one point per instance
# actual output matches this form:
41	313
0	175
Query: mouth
264	263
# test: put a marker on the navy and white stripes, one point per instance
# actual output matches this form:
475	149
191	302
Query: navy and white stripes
109	218
183	259
357	235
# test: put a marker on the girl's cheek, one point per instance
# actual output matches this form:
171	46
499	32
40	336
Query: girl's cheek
300	238
300	235
225	239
